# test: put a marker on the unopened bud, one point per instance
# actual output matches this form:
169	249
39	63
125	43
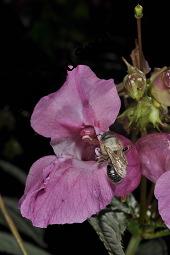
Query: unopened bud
135	85
138	11
160	88
134	82
142	115
166	78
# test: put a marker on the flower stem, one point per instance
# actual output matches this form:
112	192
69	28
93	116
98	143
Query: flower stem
140	43
133	245
162	233
12	226
138	16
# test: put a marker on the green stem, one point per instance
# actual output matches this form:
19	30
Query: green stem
133	245
162	233
140	43
12	226
143	191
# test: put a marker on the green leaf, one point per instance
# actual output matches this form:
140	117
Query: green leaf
8	244
23	225
130	206
153	247
13	171
108	229
111	223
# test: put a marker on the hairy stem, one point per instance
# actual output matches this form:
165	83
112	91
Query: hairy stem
12	226
133	245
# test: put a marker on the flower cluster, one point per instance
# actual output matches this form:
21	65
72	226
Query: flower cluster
72	185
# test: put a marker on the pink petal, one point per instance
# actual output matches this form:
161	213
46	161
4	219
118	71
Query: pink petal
132	180
73	147
83	100
67	191
162	191
76	148
35	177
154	151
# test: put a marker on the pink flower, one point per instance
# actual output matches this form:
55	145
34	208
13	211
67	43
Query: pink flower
154	152
71	186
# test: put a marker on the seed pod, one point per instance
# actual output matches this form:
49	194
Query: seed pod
134	82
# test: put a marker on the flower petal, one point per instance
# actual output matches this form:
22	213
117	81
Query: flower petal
132	179
71	191
83	100
154	150
73	147
162	191
35	177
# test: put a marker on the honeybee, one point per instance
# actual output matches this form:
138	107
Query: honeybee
112	150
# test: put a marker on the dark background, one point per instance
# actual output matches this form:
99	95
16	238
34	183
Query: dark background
38	39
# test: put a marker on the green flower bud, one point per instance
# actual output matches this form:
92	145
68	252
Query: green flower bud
134	82
160	87
142	114
138	10
135	85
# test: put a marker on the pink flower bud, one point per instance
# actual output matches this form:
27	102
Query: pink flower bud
160	88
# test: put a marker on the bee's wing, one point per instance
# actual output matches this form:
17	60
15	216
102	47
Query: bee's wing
118	161
111	155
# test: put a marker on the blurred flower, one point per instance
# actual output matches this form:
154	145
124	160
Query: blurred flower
71	186
7	119
160	86
154	152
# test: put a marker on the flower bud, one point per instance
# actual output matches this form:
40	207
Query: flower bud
138	11
134	82
160	87
135	85
166	78
143	114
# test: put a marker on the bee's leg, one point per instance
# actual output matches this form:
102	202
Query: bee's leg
99	157
97	152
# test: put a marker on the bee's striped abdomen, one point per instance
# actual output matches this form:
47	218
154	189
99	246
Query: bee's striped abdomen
112	174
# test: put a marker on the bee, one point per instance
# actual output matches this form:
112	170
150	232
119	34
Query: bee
113	152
